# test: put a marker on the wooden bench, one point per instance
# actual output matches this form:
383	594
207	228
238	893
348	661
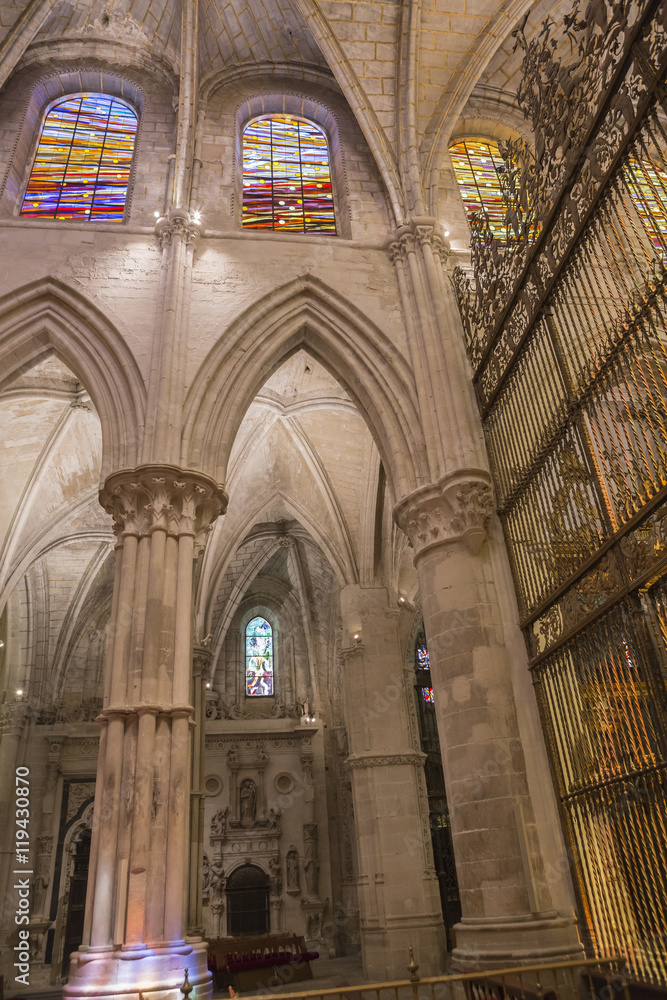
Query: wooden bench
246	963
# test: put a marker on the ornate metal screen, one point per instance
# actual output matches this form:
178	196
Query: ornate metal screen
567	334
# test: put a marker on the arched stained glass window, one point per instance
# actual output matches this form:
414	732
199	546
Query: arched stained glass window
258	658
286	176
82	165
476	165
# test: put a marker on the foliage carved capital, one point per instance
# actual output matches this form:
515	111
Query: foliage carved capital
457	509
163	498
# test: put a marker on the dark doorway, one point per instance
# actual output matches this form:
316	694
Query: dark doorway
77	899
441	837
247	902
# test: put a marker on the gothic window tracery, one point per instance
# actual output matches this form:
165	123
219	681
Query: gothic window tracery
81	169
259	658
477	165
287	176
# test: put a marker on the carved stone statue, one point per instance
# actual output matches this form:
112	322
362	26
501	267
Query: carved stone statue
292	865
219	823
276	869
274	820
217	879
311	867
248	801
205	876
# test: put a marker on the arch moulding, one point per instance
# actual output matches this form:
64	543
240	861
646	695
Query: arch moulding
47	317
306	313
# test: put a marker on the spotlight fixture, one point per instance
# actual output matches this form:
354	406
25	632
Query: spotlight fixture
19	691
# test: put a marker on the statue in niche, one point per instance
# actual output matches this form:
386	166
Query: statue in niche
219	823
276	869
217	879
311	868
248	801
205	876
292	865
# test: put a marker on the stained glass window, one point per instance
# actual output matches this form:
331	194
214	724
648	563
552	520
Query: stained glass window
286	176
82	165
428	695
476	164
647	183
258	658
422	658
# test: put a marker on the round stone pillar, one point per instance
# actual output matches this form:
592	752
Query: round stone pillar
399	902
135	928
505	900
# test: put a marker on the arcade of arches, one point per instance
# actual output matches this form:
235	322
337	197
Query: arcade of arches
262	665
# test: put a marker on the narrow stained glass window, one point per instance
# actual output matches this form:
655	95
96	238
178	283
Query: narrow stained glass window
82	165
476	164
286	176
258	658
422	658
428	695
647	183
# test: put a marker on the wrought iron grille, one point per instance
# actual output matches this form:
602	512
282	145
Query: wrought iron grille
566	331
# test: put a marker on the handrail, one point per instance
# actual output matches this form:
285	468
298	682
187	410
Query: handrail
519	971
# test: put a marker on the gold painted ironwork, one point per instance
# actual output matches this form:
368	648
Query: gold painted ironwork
577	980
567	335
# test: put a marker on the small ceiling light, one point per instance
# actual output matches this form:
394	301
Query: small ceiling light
196	216
402	600
446	232
156	214
208	684
356	636
19	691
1	643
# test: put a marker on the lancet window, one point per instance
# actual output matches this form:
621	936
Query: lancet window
477	164
81	169
259	658
287	176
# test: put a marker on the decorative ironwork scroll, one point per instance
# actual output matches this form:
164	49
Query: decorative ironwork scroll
566	328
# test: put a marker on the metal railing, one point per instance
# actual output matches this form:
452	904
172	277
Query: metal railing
567	335
590	979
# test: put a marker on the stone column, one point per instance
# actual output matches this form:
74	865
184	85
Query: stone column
137	888
201	661
399	902
497	852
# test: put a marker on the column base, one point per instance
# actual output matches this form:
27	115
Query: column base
525	939
141	973
385	951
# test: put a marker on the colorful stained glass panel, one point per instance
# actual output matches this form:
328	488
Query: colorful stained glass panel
82	165
422	658
258	658
647	183
287	177
476	163
427	694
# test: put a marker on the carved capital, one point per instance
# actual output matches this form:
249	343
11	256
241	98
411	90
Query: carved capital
177	226
163	498
458	509
419	232
12	718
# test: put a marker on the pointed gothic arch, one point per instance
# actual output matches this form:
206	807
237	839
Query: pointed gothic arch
47	316
306	313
